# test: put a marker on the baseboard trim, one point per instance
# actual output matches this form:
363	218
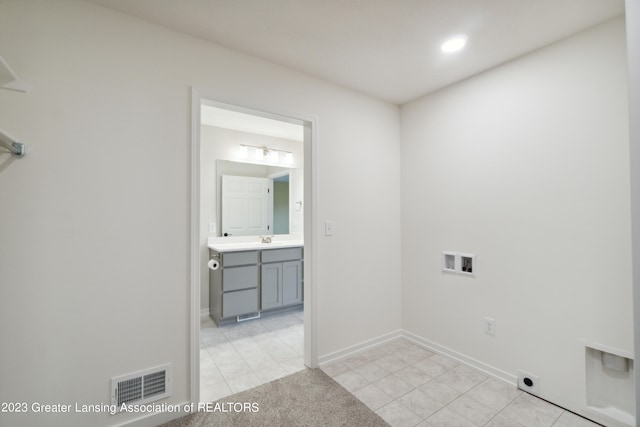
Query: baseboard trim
357	348
462	358
204	312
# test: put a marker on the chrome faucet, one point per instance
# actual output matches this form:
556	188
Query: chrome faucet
266	239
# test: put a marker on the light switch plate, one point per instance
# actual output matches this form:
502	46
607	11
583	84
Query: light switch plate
328	228
212	227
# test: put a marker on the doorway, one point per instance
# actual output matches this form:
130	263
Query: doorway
255	341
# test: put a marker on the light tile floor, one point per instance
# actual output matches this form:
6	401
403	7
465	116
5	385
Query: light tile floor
239	356
402	382
410	386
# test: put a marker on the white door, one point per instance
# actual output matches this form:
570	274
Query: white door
246	206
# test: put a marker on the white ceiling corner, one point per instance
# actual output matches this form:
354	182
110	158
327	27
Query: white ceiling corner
386	49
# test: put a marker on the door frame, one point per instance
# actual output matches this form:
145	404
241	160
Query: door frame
310	124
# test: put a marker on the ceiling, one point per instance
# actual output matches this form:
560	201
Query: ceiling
245	122
389	49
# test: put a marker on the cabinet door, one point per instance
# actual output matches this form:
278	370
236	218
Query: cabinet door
291	282
271	286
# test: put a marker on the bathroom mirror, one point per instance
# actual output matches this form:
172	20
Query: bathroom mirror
241	214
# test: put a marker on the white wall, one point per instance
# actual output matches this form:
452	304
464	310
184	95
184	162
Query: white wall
526	166
94	237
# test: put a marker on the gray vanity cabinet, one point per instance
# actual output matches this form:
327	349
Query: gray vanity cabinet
233	287
247	282
291	282
281	278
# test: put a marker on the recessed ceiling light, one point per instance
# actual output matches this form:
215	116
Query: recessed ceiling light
454	44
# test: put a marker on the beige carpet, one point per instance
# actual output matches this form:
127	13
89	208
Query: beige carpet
306	398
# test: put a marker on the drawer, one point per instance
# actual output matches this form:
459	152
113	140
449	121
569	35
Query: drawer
286	254
229	259
239	302
239	278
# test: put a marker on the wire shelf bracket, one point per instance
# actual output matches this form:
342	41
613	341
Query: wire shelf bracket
16	148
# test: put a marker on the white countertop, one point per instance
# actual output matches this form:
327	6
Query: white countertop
254	245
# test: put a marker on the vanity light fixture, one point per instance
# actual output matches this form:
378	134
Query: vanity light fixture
266	153
454	44
243	152
288	158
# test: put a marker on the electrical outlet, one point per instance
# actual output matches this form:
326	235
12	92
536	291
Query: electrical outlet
212	227
489	326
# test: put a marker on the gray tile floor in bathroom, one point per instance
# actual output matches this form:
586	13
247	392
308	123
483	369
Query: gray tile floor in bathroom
239	356
402	382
